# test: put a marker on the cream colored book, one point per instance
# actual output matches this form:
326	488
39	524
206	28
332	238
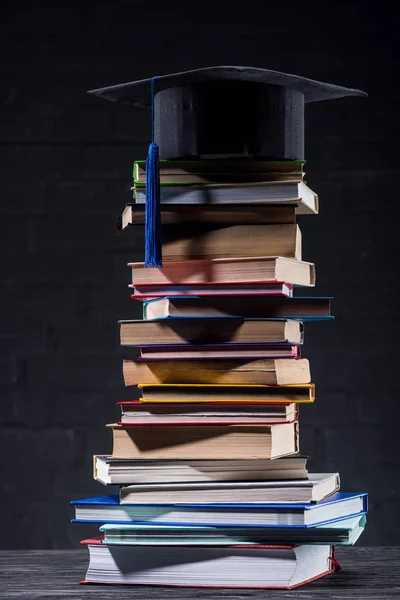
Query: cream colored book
210	330
314	489
235	242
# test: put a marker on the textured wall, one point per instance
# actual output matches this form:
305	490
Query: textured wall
66	162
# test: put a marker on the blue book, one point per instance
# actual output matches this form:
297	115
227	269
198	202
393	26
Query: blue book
107	509
301	308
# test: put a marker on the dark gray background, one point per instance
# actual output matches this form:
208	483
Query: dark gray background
66	161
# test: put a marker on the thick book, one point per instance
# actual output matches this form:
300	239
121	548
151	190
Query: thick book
212	290
238	566
117	471
274	394
342	533
210	330
107	509
225	351
274	192
317	487
238	214
200	441
246	307
187	171
261	269
233	242
263	371
218	413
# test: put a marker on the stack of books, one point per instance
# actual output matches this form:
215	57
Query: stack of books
213	489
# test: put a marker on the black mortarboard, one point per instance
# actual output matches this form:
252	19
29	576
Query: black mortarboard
243	112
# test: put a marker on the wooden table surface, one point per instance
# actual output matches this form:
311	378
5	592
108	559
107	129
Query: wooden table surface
371	572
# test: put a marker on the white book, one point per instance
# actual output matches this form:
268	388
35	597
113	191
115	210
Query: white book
125	471
234	566
274	192
317	487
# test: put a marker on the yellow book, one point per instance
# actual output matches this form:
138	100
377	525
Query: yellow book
273	394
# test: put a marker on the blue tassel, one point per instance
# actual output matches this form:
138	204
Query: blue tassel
153	251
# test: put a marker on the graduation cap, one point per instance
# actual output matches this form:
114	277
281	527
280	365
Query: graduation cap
219	112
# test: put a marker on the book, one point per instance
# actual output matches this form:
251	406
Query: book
232	306
317	487
189	179
274	394
342	533
221	413
207	290
186	171
262	371
237	214
202	351
199	441
262	269
114	471
274	192
210	330
193	566
107	509
249	240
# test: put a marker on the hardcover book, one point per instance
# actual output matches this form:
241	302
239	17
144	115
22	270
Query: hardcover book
118	471
262	371
198	441
340	533
210	330
301	308
339	506
238	566
260	269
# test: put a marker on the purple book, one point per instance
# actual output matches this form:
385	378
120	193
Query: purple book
216	351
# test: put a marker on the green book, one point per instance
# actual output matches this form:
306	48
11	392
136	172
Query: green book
344	532
195	172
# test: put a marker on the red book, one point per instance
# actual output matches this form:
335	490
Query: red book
240	566
212	413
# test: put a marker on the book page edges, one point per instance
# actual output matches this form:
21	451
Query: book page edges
312	274
296	436
95	474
